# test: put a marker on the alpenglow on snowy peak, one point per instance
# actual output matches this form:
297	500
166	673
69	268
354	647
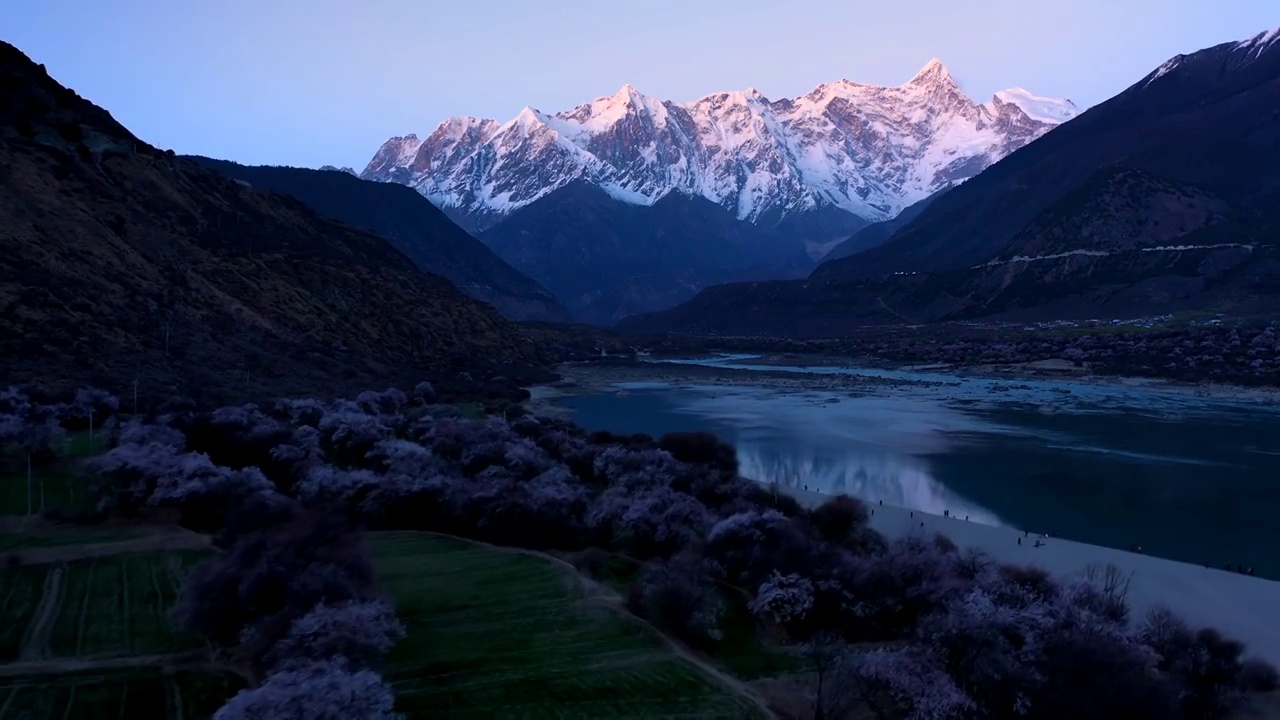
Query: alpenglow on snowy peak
865	149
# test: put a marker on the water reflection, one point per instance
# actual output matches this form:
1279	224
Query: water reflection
1203	488
875	447
895	479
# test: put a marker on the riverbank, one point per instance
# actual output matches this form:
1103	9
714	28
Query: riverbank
1238	605
1051	369
1187	477
827	373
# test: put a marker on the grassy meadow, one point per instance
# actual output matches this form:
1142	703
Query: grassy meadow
496	633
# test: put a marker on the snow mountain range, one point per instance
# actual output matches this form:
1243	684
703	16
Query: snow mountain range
864	149
1162	199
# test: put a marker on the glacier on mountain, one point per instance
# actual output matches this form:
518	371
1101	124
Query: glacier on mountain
866	149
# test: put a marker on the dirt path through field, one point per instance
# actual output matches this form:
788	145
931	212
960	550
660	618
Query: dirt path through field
57	666
597	592
35	642
169	539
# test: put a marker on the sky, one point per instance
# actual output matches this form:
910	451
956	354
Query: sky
323	82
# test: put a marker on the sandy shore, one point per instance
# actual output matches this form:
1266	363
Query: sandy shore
1242	607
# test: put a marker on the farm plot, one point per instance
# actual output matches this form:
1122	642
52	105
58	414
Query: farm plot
42	537
21	592
504	634
99	607
60	487
135	693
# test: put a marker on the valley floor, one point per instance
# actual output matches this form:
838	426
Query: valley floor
496	632
492	632
85	613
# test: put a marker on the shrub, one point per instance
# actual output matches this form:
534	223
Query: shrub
131	476
898	587
424	393
545	512
326	690
681	596
387	402
701	448
653	522
629	468
1257	676
240	437
911	678
1034	582
254	590
326	483
358	632
347	435
837	517
751	545
783	599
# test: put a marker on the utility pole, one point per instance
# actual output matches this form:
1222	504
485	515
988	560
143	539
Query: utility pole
28	482
135	396
90	429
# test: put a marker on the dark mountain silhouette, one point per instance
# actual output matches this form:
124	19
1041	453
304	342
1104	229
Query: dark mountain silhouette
877	234
413	226
1164	198
607	259
122	261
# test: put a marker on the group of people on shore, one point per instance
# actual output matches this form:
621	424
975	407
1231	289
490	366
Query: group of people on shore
1040	540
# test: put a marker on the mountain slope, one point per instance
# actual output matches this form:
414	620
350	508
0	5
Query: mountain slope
1200	119
865	150
606	259
121	262
802	174
877	234
413	226
1164	198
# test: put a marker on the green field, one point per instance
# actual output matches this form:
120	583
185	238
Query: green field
141	693
503	634
103	610
742	651
45	536
59	486
106	606
120	605
21	592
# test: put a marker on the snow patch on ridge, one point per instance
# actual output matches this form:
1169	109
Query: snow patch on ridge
1037	107
1260	42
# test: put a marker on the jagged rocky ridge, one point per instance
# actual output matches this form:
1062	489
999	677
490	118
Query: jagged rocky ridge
628	204
867	150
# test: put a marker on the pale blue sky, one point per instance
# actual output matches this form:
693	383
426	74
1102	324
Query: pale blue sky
313	82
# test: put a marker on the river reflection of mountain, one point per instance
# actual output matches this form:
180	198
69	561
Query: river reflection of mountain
1109	468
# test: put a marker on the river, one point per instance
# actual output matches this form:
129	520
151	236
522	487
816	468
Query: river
1185	476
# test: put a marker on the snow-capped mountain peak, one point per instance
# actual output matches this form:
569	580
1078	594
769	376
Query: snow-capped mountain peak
867	149
934	72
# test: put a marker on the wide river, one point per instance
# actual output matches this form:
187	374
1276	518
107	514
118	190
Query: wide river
1186	476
